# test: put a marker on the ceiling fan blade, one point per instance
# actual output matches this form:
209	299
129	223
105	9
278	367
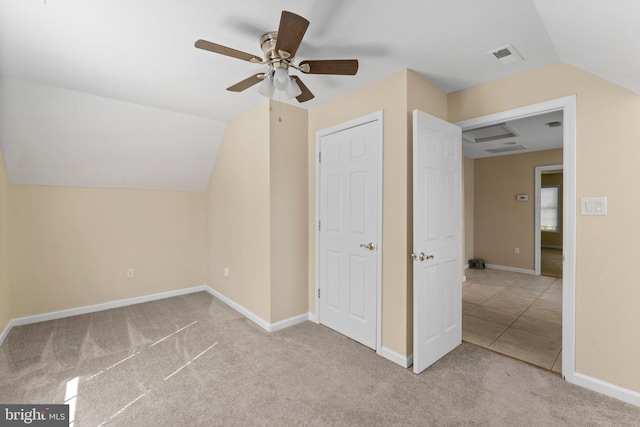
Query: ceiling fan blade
223	50
246	83
346	67
306	94
290	33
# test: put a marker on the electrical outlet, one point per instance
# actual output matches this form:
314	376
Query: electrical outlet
129	273
516	251
225	272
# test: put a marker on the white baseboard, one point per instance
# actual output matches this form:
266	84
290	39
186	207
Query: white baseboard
269	327
404	361
608	389
96	307
5	332
289	322
313	318
512	269
240	309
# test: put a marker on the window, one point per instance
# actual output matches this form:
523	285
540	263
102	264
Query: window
549	201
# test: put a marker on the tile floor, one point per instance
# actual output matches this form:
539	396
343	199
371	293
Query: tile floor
519	315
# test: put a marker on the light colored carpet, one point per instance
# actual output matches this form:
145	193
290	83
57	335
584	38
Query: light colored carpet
192	361
551	262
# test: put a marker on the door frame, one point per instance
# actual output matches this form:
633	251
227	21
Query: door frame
537	233
377	117
568	106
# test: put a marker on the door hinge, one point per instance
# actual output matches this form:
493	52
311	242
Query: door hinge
319	226
318	293
319	157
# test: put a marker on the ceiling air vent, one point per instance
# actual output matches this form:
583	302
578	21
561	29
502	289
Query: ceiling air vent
506	55
489	133
506	148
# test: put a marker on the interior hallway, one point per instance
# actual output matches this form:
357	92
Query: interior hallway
515	314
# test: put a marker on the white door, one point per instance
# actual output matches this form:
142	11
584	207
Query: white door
437	244
348	235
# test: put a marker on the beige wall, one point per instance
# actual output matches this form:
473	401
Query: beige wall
553	239
289	215
239	213
71	247
5	305
469	208
257	221
607	294
501	223
391	95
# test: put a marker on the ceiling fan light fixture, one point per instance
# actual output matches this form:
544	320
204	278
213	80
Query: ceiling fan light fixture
292	90
267	88
281	79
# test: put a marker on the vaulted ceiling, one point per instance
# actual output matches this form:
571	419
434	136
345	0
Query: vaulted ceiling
106	62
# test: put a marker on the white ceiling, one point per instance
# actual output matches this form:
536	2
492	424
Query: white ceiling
532	133
142	51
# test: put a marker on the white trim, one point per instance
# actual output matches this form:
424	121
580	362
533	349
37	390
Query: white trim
313	318
611	390
269	327
96	307
289	322
105	306
536	212
512	269
568	106
404	361
6	331
378	117
240	309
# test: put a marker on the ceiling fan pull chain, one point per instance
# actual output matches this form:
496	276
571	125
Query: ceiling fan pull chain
280	106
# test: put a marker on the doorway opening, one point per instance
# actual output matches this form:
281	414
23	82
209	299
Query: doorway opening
537	293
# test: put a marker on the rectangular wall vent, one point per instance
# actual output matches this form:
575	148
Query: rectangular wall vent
505	149
506	55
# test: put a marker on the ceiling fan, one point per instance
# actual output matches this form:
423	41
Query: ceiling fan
279	48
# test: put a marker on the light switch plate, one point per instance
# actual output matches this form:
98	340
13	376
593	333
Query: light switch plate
594	205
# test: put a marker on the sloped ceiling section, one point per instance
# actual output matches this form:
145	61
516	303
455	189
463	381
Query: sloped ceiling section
53	136
600	37
120	97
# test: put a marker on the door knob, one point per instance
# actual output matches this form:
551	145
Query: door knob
369	246
421	256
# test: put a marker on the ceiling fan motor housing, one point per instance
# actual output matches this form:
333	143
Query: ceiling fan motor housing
268	45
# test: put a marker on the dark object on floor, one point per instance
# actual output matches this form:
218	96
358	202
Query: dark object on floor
476	263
